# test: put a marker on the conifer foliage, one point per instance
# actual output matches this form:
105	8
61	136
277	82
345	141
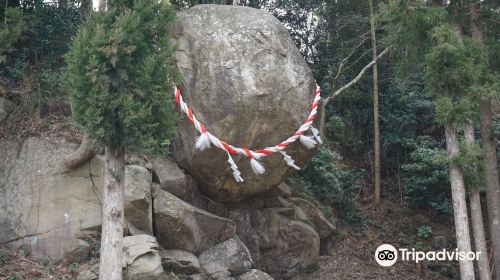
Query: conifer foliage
120	76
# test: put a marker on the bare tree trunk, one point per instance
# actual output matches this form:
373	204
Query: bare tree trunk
112	216
477	218
492	185
490	158
376	129
86	7
459	203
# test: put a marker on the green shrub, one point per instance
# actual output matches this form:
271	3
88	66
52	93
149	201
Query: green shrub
425	177
424	231
121	74
328	181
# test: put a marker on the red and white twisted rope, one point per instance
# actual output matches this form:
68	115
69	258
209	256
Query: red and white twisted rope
206	138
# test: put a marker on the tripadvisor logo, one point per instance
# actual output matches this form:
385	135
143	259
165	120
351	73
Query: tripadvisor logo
387	255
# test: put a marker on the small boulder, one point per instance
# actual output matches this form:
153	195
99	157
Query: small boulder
138	204
254	274
170	177
229	256
180	262
173	180
319	222
180	225
142	260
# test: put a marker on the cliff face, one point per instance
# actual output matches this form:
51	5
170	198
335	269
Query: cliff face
47	210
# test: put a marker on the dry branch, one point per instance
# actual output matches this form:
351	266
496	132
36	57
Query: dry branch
355	80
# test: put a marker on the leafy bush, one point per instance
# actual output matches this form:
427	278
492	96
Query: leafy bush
329	182
425	177
424	231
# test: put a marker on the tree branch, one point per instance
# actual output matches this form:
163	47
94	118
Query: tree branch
80	156
355	80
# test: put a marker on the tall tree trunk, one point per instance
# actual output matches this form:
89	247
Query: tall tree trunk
376	130
490	158
86	7
112	215
102	5
477	218
459	203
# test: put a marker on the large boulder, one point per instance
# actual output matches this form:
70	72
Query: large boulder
180	225
278	244
141	260
248	83
50	212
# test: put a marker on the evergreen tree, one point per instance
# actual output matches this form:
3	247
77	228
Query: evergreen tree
120	76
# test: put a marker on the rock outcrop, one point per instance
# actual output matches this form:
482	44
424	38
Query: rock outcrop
53	213
248	83
50	212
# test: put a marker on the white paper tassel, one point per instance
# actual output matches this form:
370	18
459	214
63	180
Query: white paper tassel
234	167
289	160
307	141
257	166
203	142
315	132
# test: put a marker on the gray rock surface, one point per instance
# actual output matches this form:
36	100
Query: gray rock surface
279	245
254	274
249	85
229	256
49	211
173	180
180	225
53	213
180	262
142	259
318	220
138	204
